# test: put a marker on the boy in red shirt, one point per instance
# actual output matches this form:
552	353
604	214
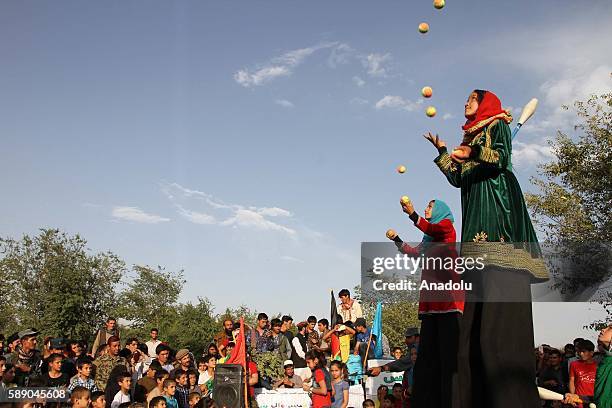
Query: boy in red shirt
583	371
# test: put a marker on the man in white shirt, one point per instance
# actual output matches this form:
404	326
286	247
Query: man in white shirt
153	343
348	308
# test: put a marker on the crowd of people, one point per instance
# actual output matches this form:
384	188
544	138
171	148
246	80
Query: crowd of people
324	361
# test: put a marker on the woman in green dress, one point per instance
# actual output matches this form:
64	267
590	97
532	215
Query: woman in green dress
496	341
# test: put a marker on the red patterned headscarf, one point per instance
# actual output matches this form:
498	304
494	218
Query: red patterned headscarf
489	109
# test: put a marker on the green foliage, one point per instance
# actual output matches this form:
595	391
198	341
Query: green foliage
55	285
151	297
398	313
573	205
269	364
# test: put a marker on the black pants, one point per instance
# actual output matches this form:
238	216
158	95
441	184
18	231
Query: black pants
496	368
435	371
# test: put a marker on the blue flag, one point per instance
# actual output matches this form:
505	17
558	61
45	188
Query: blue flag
377	331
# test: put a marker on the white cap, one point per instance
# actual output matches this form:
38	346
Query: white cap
287	362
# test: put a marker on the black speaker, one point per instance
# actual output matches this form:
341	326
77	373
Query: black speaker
228	388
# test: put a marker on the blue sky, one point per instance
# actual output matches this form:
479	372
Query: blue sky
255	143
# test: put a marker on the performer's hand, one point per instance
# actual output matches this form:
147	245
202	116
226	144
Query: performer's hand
408	208
461	153
572	399
435	140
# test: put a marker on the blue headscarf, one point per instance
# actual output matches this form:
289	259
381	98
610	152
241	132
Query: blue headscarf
440	212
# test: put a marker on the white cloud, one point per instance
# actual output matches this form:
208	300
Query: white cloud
375	64
280	66
272	211
291	259
249	218
530	153
447	116
340	55
284	103
135	214
397	102
261	76
358	81
196	217
217	212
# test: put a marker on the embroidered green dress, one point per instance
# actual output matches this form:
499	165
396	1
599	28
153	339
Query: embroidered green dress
492	204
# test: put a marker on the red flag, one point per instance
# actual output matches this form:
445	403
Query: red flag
238	355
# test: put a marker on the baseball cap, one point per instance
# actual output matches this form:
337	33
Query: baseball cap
27	333
287	363
412	331
57	344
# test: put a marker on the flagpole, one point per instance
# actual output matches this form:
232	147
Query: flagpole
246	367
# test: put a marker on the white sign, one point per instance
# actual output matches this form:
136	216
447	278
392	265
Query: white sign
282	398
384	378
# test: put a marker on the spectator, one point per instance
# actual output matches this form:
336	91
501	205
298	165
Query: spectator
280	344
298	346
412	338
312	335
107	362
290	379
348	308
228	352
183	362
153	343
408	379
368	403
213	350
80	397
83	377
182	388
340	387
131	353
12	342
8	377
252	375
324	346
163	357
123	395
146	384
364	337
223	338
397	353
194	398
286	327
98	400
169	391
380	394
158	391
388	401
26	359
142	362
398	394
109	330
259	337
158	402
206	380
583	371
342	335
320	391
192	381
551	377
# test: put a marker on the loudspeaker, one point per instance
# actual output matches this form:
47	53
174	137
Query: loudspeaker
228	388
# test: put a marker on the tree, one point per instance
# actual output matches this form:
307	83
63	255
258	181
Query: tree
52	282
399	312
573	205
151	297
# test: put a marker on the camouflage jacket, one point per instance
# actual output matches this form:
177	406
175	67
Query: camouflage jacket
104	365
